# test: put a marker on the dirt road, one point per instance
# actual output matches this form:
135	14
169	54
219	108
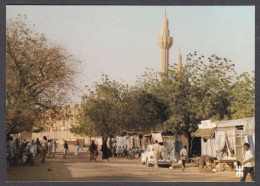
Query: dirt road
78	168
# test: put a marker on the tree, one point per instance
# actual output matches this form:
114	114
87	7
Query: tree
39	76
142	111
205	88
201	91
243	97
100	110
112	109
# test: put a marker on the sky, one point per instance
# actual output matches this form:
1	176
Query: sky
120	41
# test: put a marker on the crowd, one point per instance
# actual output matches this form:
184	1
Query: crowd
46	148
123	151
27	150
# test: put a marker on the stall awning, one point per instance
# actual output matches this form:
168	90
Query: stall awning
204	133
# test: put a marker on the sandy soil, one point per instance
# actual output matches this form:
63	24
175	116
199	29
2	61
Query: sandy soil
78	168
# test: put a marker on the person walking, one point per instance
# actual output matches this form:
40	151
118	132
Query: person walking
32	148
184	156
172	152
49	148
35	146
157	151
17	145
77	148
93	151
106	153
113	149
11	147
43	148
117	151
54	148
66	148
38	144
248	163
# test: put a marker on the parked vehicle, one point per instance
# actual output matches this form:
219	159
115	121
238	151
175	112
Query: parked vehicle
164	158
148	157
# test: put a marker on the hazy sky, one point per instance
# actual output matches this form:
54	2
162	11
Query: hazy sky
121	40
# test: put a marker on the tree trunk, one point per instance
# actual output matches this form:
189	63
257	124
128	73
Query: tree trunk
189	143
110	143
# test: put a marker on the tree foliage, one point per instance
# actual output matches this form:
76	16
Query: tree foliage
205	88
100	109
39	76
112	108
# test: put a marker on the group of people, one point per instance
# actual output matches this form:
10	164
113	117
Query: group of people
50	147
123	151
15	147
93	149
46	147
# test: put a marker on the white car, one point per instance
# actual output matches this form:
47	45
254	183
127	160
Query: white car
148	157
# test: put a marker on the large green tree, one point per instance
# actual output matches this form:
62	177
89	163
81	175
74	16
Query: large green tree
101	108
206	88
143	111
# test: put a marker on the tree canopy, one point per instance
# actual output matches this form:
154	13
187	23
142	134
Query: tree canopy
39	76
205	88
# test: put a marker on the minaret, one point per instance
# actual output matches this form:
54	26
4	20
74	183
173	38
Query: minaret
179	62
164	42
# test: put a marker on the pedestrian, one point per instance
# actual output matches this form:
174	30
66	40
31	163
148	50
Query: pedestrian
76	148
172	152
54	148
125	151
248	164
114	149
35	146
184	156
43	148
157	151
17	145
66	148
11	147
24	144
120	151
49	148
37	142
106	153
32	148
93	151
137	152
117	150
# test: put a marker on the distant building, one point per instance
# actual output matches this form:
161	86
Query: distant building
60	129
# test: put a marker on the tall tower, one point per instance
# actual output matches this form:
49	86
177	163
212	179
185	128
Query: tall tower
164	42
179	62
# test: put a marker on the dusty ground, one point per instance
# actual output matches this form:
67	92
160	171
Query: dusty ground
118	169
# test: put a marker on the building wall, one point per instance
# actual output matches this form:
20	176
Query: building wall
60	130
